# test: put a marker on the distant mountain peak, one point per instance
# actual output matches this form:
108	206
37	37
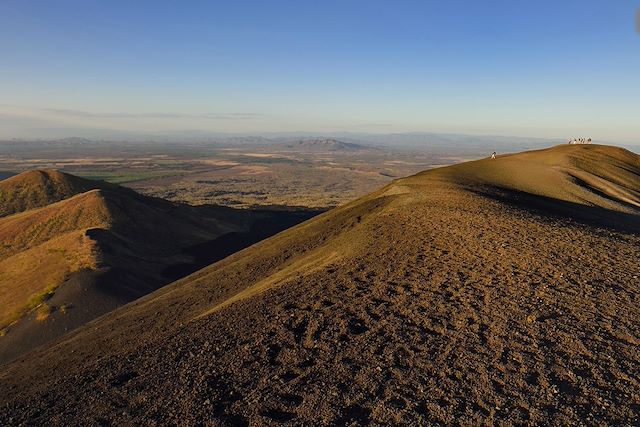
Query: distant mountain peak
325	144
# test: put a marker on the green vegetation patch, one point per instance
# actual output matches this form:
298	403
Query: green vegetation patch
37	302
122	177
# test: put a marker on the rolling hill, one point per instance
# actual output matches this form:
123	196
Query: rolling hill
37	188
491	292
93	246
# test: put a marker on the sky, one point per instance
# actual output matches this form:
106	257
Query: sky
544	68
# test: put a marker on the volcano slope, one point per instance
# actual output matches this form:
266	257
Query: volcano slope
492	292
37	188
73	249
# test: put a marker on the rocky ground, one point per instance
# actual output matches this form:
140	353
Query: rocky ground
427	302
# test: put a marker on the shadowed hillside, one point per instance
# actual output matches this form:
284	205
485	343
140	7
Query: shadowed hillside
496	291
72	260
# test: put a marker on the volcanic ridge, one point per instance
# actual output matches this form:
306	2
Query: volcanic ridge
495	291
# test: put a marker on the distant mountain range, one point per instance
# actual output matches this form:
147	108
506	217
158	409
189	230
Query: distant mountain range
318	145
400	140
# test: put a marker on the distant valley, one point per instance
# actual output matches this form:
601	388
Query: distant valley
278	171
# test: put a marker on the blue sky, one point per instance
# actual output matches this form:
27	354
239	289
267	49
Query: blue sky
545	68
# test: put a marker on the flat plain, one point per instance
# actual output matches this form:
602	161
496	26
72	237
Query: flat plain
317	173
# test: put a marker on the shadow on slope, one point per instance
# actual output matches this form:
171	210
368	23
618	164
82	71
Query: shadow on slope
72	260
204	254
594	216
88	294
593	184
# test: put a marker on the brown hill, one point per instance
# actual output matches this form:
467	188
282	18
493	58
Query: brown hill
73	260
602	176
493	292
37	188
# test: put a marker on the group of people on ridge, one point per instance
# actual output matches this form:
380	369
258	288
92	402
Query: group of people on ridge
580	141
571	141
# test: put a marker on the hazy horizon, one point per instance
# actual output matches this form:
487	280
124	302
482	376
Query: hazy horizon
118	70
